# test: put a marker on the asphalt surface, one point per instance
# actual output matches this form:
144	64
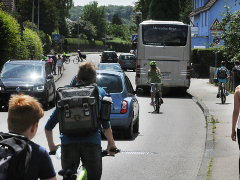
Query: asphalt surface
220	150
221	157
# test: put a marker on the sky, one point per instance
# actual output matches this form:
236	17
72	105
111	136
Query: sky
106	2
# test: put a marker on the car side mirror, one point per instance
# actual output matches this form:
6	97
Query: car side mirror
100	55
50	76
134	92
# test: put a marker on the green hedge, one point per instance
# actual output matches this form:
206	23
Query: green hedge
74	42
12	46
33	43
119	45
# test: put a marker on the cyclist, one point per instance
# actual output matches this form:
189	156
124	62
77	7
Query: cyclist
24	113
154	76
88	148
222	74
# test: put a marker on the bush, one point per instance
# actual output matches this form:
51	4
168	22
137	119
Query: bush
74	42
33	43
119	45
12	47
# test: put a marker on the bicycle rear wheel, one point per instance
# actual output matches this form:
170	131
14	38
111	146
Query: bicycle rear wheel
223	96
157	104
75	60
67	61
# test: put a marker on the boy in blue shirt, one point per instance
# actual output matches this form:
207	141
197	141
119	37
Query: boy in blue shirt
86	148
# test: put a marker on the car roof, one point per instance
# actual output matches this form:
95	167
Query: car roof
109	51
127	54
25	62
117	73
109	64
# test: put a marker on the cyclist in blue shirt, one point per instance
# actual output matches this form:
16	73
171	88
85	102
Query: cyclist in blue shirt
88	148
222	74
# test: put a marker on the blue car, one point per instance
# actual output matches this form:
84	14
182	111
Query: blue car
125	113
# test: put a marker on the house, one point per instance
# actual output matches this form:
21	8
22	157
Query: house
205	14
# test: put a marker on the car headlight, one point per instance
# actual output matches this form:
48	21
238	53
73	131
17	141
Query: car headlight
2	88
39	88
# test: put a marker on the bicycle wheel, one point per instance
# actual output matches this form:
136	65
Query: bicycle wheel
67	61
223	96
75	60
157	104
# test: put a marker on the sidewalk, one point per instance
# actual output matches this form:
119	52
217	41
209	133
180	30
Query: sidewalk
220	148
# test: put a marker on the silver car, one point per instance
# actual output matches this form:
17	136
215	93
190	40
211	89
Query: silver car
127	61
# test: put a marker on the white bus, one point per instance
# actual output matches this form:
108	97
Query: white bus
169	44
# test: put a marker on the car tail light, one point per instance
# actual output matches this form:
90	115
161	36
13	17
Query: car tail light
188	73
120	62
138	71
134	63
115	59
124	107
103	58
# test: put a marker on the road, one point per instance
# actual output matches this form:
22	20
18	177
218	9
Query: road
170	145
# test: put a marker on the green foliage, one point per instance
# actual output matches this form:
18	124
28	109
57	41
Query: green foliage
86	28
75	12
12	47
231	36
96	15
118	31
52	14
185	10
33	43
116	19
118	45
164	10
74	42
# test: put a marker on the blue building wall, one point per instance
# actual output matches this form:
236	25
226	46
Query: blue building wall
205	20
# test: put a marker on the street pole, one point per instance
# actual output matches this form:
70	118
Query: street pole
78	33
38	16
32	15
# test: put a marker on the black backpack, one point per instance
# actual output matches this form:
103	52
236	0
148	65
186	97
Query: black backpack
236	70
222	73
15	155
78	109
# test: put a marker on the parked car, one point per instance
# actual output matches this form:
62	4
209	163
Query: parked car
127	61
110	67
125	114
109	57
31	77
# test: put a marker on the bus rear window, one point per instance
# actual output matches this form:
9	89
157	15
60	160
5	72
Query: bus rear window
164	35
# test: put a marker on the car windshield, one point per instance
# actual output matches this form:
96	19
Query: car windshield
110	83
111	54
109	67
22	71
127	57
165	35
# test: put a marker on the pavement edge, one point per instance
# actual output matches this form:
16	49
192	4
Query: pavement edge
208	154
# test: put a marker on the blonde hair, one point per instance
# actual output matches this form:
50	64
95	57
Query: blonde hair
24	111
154	70
86	72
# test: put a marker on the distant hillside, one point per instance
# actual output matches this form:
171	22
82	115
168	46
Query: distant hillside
124	12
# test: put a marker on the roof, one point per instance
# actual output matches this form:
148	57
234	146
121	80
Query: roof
204	8
117	73
26	61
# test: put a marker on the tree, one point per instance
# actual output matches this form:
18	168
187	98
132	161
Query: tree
116	19
164	10
85	28
231	36
52	13
96	15
185	10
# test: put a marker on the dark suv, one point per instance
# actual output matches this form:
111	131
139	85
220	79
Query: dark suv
109	57
31	77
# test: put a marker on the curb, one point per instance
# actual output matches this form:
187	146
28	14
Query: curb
208	154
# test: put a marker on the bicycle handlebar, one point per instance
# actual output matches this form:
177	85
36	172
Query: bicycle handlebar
104	152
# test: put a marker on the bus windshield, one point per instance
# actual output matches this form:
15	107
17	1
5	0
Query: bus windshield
164	34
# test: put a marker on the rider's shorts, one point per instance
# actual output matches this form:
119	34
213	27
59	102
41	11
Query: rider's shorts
222	80
158	86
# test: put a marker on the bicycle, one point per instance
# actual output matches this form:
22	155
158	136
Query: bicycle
67	59
222	93
156	102
70	174
79	59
